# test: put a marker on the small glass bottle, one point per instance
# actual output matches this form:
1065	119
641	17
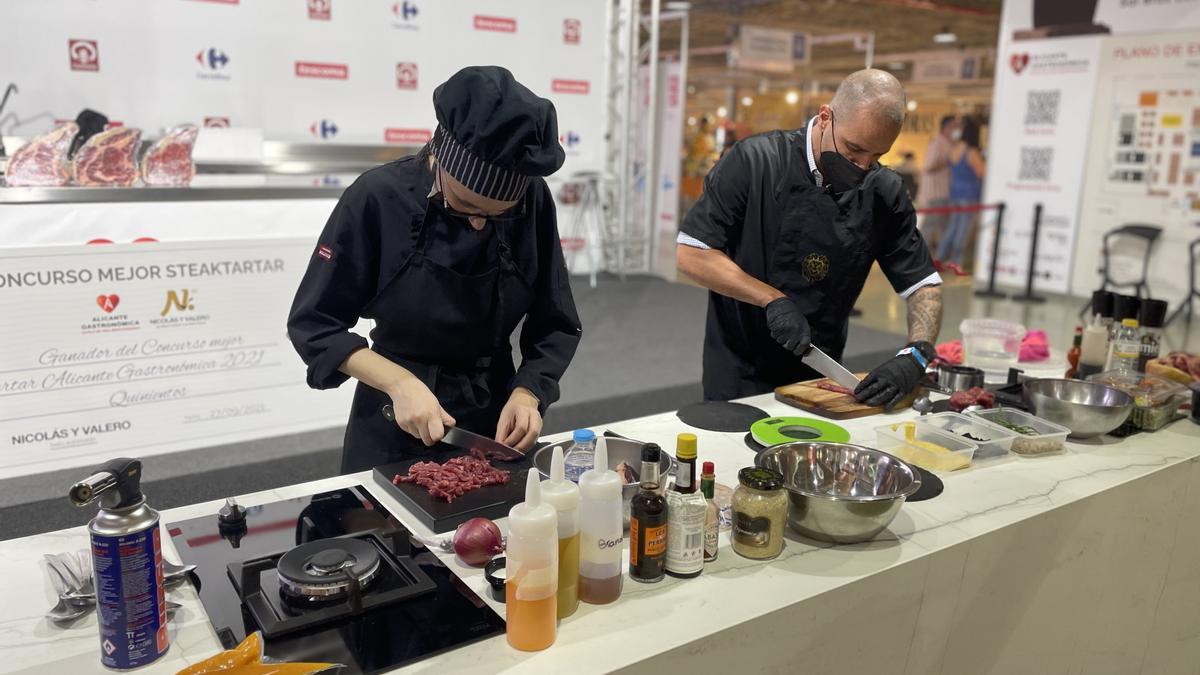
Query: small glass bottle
685	514
648	523
712	516
1074	353
1126	348
759	512
582	454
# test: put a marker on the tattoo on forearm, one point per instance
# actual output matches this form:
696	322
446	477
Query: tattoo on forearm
925	314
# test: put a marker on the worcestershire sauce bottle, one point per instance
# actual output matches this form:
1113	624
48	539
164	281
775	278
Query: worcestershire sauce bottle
648	523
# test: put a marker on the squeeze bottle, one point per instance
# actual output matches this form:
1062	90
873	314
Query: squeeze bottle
531	589
602	532
563	495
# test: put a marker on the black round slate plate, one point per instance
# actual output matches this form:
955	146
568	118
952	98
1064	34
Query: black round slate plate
721	416
931	486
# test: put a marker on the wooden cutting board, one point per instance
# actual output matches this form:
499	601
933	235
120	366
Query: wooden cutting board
808	396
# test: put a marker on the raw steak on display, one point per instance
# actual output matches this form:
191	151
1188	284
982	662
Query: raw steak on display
42	162
169	161
108	159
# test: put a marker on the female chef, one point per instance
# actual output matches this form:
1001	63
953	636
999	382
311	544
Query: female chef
447	252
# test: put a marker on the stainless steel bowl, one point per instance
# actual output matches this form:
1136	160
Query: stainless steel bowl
840	492
958	378
1086	408
619	450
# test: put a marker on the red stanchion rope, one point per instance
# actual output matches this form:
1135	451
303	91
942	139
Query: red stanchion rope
965	208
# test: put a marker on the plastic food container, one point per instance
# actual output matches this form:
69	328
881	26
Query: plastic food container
993	440
1155	399
991	344
918	443
1048	438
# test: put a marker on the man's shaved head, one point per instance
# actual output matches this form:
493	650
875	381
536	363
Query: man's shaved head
873	92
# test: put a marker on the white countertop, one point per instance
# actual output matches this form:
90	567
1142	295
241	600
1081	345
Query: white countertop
647	620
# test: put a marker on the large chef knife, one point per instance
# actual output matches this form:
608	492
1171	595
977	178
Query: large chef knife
820	362
467	440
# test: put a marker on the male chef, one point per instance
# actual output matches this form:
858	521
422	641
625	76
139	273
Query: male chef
784	236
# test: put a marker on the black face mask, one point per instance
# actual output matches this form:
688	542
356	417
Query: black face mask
839	173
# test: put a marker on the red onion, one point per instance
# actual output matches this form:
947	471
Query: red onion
476	541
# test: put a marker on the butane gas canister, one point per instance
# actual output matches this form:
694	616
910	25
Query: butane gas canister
127	560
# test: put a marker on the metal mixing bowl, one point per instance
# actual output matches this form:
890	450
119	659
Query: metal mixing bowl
619	450
840	492
1086	408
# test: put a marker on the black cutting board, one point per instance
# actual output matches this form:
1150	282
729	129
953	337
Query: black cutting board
491	501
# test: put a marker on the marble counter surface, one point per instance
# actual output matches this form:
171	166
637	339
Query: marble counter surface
929	585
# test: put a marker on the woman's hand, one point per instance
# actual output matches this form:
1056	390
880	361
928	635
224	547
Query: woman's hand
520	422
418	412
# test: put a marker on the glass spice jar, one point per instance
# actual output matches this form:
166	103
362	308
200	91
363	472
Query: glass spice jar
760	507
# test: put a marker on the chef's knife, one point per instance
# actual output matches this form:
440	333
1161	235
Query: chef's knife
461	438
820	362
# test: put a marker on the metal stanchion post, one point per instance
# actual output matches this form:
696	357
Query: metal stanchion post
1028	295
990	291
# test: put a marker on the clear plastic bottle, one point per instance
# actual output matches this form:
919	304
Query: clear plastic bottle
582	454
1093	350
1126	348
601	532
563	495
531	569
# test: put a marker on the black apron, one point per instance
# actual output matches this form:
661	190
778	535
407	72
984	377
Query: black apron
451	331
821	257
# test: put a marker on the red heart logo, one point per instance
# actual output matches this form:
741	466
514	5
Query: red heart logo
1018	62
108	303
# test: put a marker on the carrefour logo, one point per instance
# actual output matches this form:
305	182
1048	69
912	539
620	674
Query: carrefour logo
323	129
405	13
214	64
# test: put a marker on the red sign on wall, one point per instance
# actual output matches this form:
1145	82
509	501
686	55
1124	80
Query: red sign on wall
84	54
407	136
496	24
571	31
406	76
570	86
326	71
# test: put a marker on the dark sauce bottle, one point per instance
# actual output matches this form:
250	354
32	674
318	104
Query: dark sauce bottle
648	523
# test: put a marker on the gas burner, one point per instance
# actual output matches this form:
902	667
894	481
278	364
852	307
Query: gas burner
326	569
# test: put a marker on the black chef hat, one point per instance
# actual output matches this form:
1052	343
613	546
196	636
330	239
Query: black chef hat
493	133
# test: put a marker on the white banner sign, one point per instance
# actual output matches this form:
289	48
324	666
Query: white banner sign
767	49
142	349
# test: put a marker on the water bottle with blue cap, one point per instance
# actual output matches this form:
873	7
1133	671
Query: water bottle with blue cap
582	454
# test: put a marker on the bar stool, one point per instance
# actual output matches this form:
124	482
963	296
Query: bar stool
1193	284
1148	233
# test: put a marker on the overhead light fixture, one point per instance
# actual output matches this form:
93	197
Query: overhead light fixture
792	97
747	101
896	65
691	89
946	37
722	112
911	105
691	121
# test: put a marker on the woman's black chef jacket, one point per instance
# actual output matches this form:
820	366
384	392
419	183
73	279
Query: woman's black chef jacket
762	207
444	298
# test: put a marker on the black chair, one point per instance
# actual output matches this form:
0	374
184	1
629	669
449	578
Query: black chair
1193	284
1141	287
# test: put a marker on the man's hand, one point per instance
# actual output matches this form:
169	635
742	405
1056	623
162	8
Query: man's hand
418	412
788	326
895	378
520	422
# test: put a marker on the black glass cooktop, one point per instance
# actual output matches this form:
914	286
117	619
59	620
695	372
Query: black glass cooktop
413	608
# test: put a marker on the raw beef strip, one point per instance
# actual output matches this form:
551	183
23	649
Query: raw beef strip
835	388
42	162
169	160
455	478
107	159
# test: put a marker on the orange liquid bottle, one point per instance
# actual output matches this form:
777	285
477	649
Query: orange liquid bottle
531	591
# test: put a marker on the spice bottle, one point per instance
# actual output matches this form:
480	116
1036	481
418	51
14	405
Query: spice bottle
712	516
759	511
648	523
1074	352
1153	314
531	569
685	514
563	495
601	531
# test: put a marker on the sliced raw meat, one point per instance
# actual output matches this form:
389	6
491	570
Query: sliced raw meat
108	159
835	388
42	162
453	479
169	161
961	400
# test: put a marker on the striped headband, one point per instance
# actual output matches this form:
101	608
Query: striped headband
475	174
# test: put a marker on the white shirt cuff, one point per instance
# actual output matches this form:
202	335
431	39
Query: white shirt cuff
934	279
688	240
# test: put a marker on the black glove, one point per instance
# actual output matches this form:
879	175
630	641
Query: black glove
897	377
788	326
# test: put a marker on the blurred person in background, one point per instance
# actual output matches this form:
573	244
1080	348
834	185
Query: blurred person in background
935	180
907	169
966	187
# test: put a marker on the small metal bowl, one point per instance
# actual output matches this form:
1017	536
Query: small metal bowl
958	378
1086	408
619	450
840	492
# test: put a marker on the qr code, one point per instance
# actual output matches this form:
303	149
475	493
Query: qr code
1035	163
1041	107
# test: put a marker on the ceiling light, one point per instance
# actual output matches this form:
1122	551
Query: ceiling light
691	121
792	97
722	112
896	65
691	88
747	101
945	37
911	105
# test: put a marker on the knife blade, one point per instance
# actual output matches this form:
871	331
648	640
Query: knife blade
820	362
467	440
